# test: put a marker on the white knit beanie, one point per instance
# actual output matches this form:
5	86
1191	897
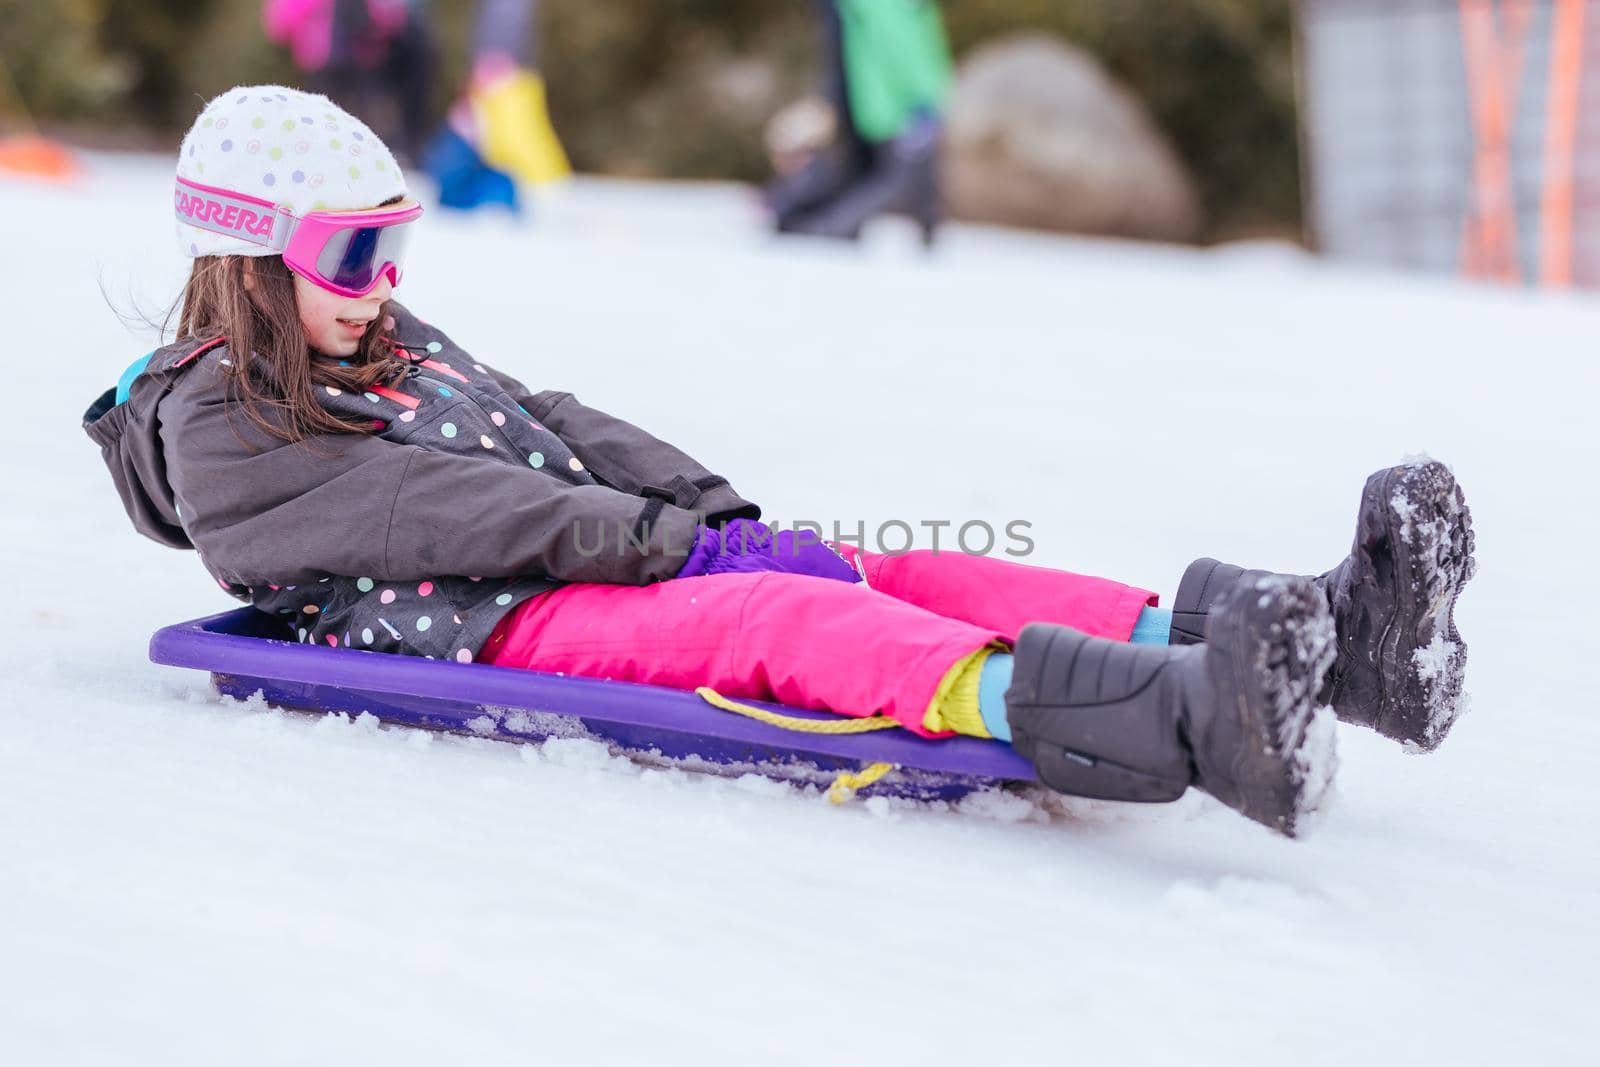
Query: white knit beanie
298	150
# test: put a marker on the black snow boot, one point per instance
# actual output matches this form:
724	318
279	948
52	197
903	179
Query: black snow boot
1400	658
1236	717
901	176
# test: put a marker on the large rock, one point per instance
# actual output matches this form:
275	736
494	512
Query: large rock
1040	135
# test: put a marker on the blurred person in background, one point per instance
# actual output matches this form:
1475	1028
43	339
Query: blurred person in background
887	78
375	57
498	134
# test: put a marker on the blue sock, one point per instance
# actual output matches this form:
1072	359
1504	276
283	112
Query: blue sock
992	684
1153	628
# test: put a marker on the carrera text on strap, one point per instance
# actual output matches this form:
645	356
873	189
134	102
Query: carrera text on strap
220	211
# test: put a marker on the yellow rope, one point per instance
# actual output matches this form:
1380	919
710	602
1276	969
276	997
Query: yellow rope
795	722
844	787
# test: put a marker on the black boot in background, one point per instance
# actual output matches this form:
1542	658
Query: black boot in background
1236	717
1401	661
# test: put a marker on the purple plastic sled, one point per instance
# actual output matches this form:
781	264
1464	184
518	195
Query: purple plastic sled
242	651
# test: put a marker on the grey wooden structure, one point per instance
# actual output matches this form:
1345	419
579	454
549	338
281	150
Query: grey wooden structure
1454	135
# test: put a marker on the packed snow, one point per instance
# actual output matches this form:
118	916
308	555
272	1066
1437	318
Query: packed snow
190	880
1434	658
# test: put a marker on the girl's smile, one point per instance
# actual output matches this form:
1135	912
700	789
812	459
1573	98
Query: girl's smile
334	324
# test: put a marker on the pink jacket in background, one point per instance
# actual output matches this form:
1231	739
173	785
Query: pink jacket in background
306	26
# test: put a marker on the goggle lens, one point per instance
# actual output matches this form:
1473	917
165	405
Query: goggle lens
354	257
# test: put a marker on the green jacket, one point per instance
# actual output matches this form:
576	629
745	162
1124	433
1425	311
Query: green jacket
896	63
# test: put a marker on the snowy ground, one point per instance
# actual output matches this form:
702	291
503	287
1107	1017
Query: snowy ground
189	881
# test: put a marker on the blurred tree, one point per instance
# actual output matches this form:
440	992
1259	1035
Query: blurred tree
52	56
227	48
682	88
154	41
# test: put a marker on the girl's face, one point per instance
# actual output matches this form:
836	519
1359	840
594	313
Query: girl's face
333	323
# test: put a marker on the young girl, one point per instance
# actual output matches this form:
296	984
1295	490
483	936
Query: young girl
340	463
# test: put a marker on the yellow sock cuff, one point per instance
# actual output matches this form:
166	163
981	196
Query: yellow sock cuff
955	702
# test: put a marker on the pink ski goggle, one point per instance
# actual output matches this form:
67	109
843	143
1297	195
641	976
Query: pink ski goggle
344	252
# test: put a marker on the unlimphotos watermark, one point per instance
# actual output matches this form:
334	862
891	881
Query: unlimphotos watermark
891	537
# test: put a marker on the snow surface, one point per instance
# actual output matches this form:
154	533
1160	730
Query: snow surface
184	880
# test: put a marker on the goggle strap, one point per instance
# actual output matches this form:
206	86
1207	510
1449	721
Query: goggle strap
245	218
283	230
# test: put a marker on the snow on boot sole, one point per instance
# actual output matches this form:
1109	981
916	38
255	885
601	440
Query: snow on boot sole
1237	717
1415	532
1269	650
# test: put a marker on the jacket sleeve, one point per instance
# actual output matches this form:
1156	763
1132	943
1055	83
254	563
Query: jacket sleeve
261	510
624	456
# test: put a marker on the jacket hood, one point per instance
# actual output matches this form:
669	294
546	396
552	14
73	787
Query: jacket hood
129	436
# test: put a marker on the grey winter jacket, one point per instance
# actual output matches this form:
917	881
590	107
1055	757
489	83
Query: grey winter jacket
471	495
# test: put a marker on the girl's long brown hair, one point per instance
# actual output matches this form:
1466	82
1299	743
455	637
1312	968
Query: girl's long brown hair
274	375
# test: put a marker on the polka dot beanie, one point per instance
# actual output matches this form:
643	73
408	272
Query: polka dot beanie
293	149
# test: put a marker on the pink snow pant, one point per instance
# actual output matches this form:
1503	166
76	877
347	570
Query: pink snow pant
876	648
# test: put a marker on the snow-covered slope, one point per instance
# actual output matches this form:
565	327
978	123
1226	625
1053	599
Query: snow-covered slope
189	881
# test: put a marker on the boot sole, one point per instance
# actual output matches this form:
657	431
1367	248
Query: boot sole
1422	659
1274	644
